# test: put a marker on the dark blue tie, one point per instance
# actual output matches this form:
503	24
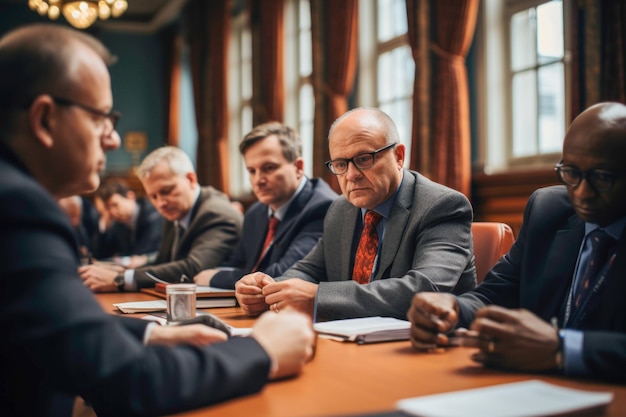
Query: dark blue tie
600	245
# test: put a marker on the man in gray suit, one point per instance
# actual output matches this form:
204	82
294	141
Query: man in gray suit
424	230
200	230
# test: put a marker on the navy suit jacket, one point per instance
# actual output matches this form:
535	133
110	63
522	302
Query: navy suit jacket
537	272
57	342
121	240
295	236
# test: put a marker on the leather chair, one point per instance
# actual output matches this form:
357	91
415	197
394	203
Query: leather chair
491	241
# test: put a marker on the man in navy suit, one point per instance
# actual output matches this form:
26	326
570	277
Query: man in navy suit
136	228
273	156
57	341
541	284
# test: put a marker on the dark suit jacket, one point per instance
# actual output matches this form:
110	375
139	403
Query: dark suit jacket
295	236
538	270
121	240
427	247
213	232
57	342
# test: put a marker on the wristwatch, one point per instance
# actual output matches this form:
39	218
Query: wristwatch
119	282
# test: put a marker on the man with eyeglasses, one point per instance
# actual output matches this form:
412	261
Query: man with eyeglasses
566	270
57	341
418	238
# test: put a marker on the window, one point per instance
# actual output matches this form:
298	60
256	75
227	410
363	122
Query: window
239	100
524	56
386	62
299	103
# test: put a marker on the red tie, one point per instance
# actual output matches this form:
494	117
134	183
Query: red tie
271	230
366	251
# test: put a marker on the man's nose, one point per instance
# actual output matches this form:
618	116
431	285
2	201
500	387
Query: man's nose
111	142
352	173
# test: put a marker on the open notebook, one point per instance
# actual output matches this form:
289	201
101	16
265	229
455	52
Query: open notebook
365	330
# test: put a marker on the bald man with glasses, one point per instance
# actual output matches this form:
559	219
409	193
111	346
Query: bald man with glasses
555	302
393	233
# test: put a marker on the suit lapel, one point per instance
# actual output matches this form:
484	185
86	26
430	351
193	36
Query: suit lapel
348	229
294	211
396	226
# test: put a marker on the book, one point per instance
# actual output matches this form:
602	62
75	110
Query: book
159	290
161	305
532	398
365	330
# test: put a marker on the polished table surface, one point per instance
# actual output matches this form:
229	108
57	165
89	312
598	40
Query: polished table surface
348	379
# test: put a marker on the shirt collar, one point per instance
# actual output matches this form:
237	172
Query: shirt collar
184	222
282	210
614	229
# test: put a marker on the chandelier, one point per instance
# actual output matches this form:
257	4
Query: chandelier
79	13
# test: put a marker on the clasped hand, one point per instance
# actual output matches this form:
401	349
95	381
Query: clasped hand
507	339
256	292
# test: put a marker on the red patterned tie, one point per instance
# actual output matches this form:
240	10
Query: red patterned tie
271	230
366	251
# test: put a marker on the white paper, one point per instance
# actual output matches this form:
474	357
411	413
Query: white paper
531	398
161	305
365	330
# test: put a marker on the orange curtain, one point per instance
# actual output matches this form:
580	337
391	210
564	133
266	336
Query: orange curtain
419	40
174	55
267	55
455	23
207	29
334	27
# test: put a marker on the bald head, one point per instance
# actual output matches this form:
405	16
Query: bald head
596	142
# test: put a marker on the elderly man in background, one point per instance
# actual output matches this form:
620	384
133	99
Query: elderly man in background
392	234
201	227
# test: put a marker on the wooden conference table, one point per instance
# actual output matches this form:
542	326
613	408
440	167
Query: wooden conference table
346	379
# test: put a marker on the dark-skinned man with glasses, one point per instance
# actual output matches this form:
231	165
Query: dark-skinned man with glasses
391	234
555	302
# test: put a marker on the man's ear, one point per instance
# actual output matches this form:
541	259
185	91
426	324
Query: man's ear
131	195
299	163
193	179
400	153
40	118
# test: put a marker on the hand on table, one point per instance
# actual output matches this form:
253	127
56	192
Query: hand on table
515	339
289	340
292	292
249	293
432	315
98	278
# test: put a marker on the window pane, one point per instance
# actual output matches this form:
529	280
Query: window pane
305	127
392	19
524	114
396	72
550	31
551	108
523	40
304	39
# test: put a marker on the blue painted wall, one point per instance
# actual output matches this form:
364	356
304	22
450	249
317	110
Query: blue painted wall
138	80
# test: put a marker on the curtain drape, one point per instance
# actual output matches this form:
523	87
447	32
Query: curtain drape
206	26
598	53
173	101
268	98
455	23
334	27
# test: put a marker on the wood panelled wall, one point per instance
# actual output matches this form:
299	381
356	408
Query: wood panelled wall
502	197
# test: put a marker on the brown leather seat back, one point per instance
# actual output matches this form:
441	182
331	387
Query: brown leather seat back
491	241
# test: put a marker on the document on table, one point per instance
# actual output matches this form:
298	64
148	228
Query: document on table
161	305
365	330
531	398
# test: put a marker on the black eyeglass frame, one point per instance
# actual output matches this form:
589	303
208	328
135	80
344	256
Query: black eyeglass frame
113	116
592	176
329	164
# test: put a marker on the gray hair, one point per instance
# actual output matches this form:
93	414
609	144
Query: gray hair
178	161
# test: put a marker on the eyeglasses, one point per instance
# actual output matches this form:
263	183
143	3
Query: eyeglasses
361	161
600	180
113	116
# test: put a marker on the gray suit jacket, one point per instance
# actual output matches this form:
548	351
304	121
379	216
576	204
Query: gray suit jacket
427	247
213	232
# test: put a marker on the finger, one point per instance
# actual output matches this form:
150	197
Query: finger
498	314
490	329
272	288
249	290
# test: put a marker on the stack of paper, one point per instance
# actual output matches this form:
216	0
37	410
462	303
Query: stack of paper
160	305
365	330
519	399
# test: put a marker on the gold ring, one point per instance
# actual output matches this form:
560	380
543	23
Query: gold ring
276	307
491	346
